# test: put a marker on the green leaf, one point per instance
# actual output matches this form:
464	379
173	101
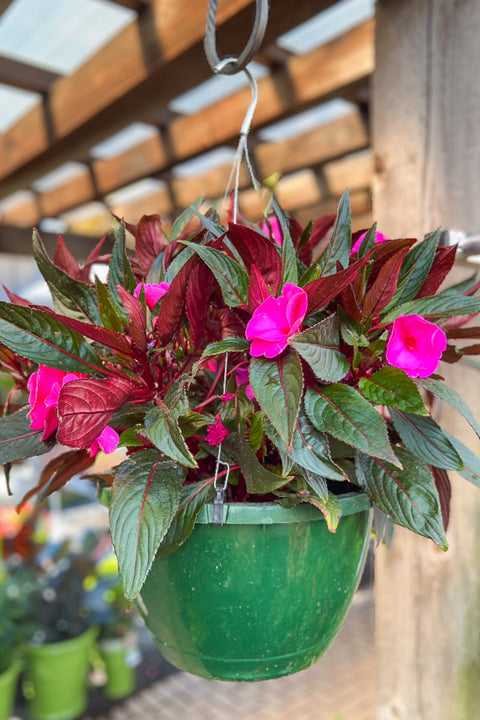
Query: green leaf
259	480
120	271
471	461
194	497
232	277
416	267
230	344
109	315
329	506
256	431
318	346
145	498
408	496
176	399
70	297
191	423
339	246
451	397
278	387
342	412
434	307
177	263
309	448
37	336
161	428
289	259
425	439
184	218
18	441
392	387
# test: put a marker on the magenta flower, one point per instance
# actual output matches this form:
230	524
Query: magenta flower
415	345
153	292
216	432
275	320
379	238
44	386
107	441
242	377
274	231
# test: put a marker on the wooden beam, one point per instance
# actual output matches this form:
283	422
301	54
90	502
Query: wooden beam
27	77
136	74
4	5
331	140
425	94
18	241
136	5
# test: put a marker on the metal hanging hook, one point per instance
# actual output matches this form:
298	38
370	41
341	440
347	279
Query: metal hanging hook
232	65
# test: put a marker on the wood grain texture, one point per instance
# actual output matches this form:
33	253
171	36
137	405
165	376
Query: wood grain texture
426	139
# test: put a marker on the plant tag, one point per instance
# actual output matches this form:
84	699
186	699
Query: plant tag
218	506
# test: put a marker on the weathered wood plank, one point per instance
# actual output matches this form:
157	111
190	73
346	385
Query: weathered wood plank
25	76
426	141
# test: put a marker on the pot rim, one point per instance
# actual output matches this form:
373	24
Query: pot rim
270	513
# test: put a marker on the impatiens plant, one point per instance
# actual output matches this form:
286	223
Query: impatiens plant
289	362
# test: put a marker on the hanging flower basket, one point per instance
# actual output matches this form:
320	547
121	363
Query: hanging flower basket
261	596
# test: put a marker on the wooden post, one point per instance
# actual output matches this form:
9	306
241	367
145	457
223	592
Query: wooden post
426	138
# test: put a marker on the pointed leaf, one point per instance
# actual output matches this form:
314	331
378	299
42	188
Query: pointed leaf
278	387
342	412
256	249
318	346
18	441
149	241
258	290
417	266
471	462
70	297
194	497
328	504
289	260
385	285
111	317
120	271
451	397
64	260
109	338
230	344
136	322
320	228
322	291
232	278
435	307
441	266
163	431
198	301
339	246
408	496
392	387
37	336
425	439
176	399
173	304
309	448
85	407
145	498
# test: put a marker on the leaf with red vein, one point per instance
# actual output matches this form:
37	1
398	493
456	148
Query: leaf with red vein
173	303
85	406
321	292
231	324
255	249
111	339
444	489
149	241
58	472
441	266
258	290
136	323
64	260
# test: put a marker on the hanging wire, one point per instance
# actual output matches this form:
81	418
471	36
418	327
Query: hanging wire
220	488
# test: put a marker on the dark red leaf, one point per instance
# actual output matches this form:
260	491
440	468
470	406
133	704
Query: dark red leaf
173	303
350	304
470	350
468	332
295	229
149	241
16	299
258	290
441	266
385	250
198	300
85	406
457	322
58	472
385	285
444	489
320	228
136	323
64	260
95	256
321	292
231	324
255	249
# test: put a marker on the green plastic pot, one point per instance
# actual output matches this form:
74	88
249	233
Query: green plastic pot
8	686
55	685
121	674
261	596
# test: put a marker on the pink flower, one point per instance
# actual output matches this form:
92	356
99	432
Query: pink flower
44	386
242	377
415	345
107	441
275	320
274	231
216	433
379	238
153	292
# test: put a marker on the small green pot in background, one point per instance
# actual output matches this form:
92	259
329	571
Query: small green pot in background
8	687
120	656
55	685
261	596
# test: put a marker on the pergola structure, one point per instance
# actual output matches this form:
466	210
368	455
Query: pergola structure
137	76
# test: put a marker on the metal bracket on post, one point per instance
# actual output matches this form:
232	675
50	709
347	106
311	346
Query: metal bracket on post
468	243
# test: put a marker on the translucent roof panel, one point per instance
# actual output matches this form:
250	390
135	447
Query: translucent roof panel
123	140
58	177
202	163
327	25
13	104
305	121
59	35
214	89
